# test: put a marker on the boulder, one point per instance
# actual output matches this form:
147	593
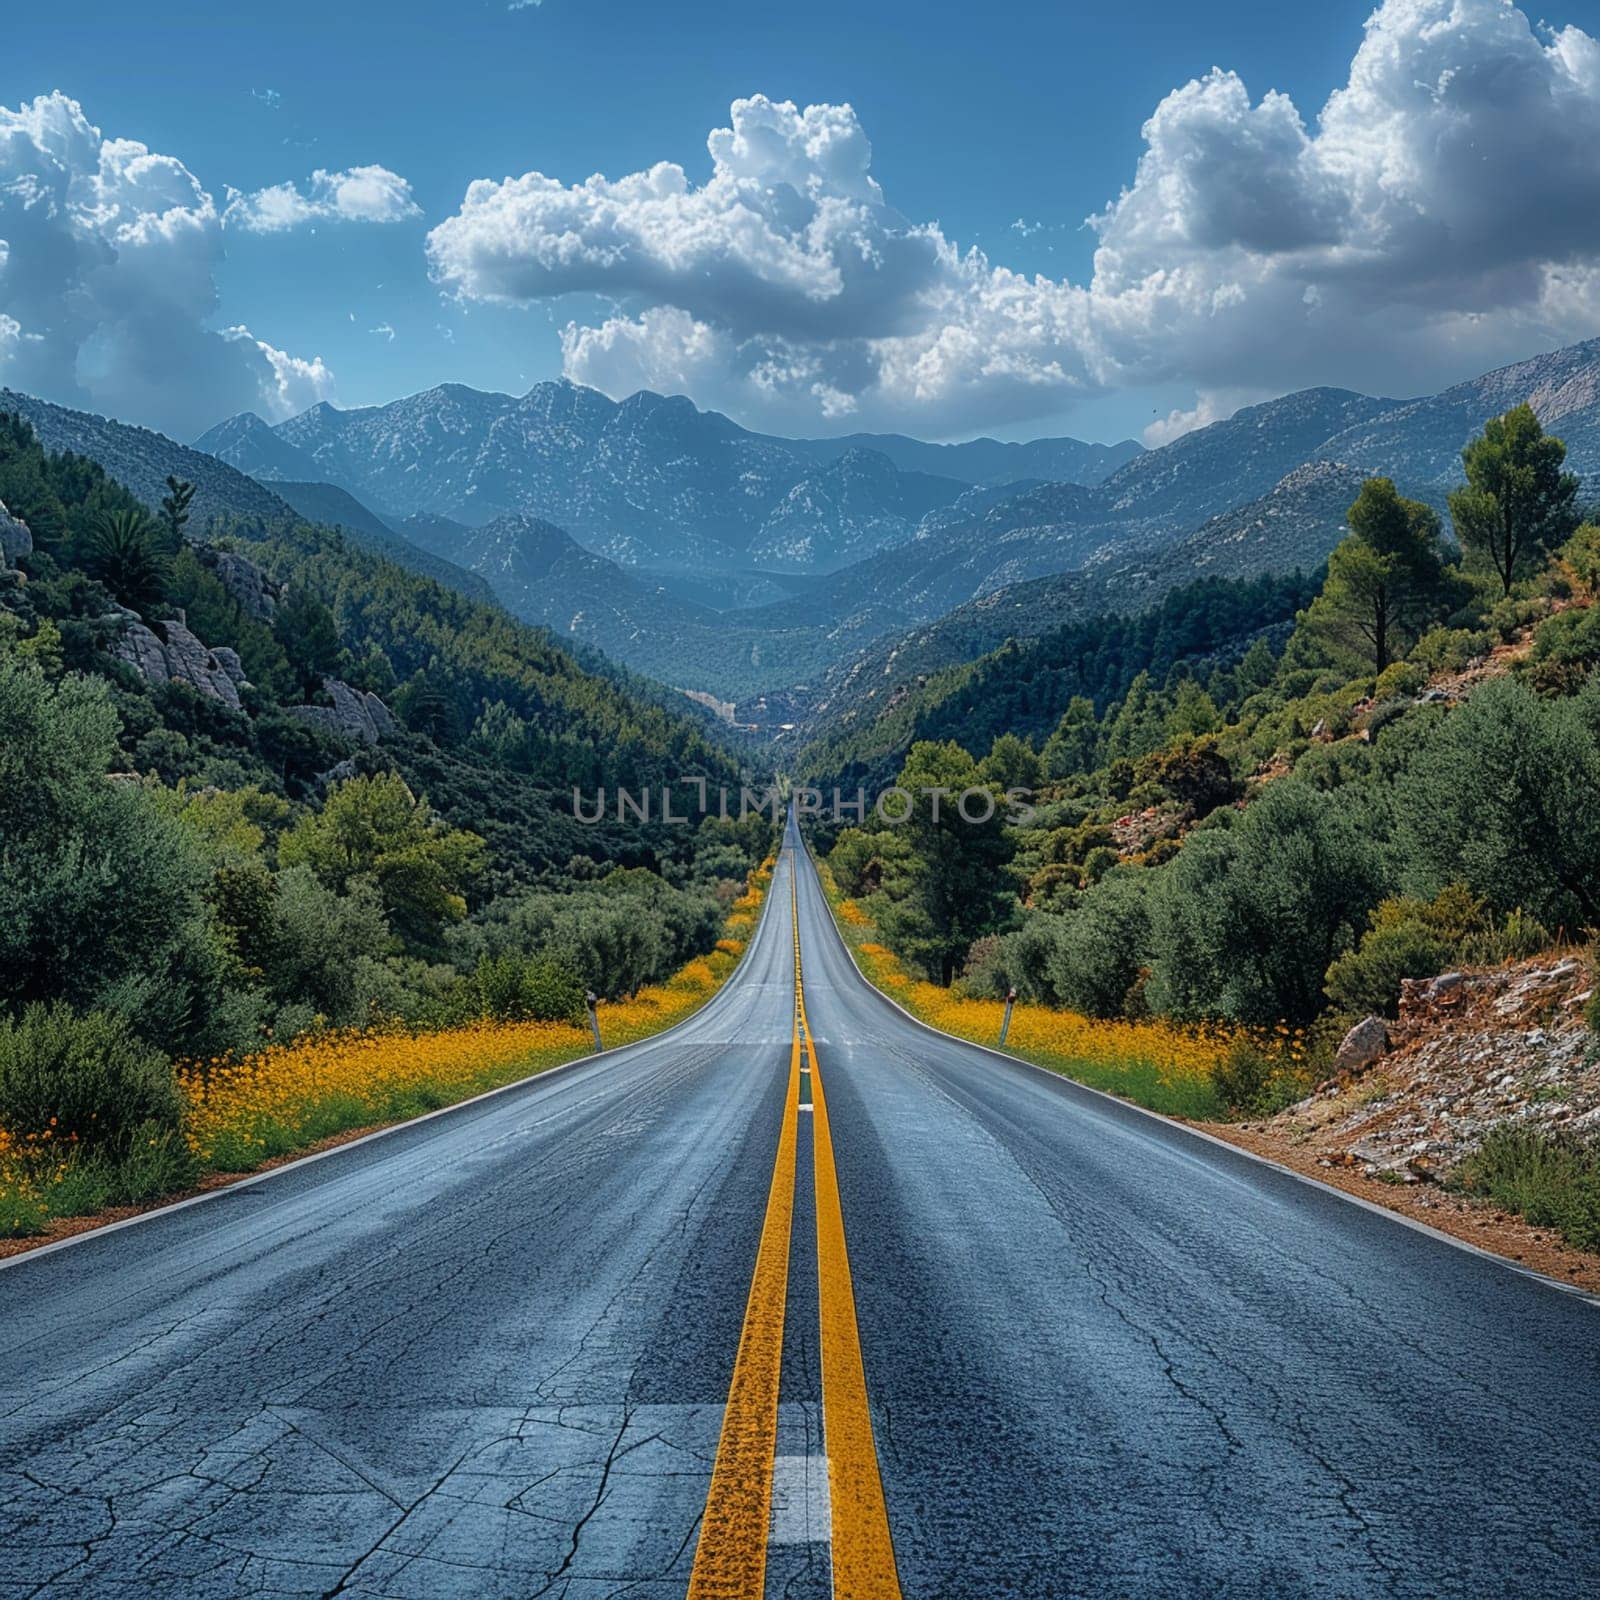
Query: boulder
189	661
142	651
230	663
1362	1045
353	714
169	653
16	539
249	584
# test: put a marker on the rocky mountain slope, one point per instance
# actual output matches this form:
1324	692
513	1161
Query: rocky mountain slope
857	505
1295	525
1419	444
1471	1051
249	443
143	460
649	481
1258	491
986	461
1228	463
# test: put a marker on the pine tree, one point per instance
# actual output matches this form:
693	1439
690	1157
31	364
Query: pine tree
175	509
1518	504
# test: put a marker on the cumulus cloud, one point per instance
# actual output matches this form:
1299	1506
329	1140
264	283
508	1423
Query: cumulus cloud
1211	405
785	285
361	194
108	258
1445	211
1442	212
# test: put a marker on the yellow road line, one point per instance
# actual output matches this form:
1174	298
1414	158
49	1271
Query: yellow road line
863	1550
730	1561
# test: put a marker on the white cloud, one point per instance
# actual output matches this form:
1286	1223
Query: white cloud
1442	213
1445	212
108	259
1211	405
295	383
361	194
384	330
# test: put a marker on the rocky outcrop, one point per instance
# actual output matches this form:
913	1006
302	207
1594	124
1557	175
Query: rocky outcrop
354	714
16	539
170	653
249	584
1362	1045
1470	1052
230	663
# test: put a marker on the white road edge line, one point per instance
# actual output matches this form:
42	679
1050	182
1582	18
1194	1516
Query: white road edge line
250	1180
1072	1085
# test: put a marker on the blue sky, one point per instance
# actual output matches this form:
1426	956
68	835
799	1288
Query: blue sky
979	119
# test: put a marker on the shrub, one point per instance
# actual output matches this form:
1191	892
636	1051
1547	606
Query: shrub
1398	679
1552	1179
1570	638
1510	616
1103	946
1384	715
1243	1078
1367	979
1193	771
1450	649
100	891
1420	939
1020	961
540	988
87	1077
1246	920
1582	553
1499	795
1098	863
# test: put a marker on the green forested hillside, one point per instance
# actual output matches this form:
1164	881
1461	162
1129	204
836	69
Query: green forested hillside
1402	781
271	780
1024	687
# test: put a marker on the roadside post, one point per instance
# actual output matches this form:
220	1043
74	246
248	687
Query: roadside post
1005	1021
591	999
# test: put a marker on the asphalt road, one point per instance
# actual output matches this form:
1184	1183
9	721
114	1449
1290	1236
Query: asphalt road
490	1355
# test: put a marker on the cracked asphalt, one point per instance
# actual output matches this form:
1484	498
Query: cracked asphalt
487	1355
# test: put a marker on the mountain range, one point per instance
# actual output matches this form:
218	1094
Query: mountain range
649	481
803	579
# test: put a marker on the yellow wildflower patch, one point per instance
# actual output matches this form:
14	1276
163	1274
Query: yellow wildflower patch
1154	1062
239	1113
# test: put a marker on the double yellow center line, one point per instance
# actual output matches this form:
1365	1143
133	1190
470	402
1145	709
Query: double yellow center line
731	1559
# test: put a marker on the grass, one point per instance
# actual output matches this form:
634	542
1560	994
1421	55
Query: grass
1174	1070
239	1113
1551	1179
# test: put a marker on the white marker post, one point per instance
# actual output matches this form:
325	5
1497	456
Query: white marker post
591	999
1005	1021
